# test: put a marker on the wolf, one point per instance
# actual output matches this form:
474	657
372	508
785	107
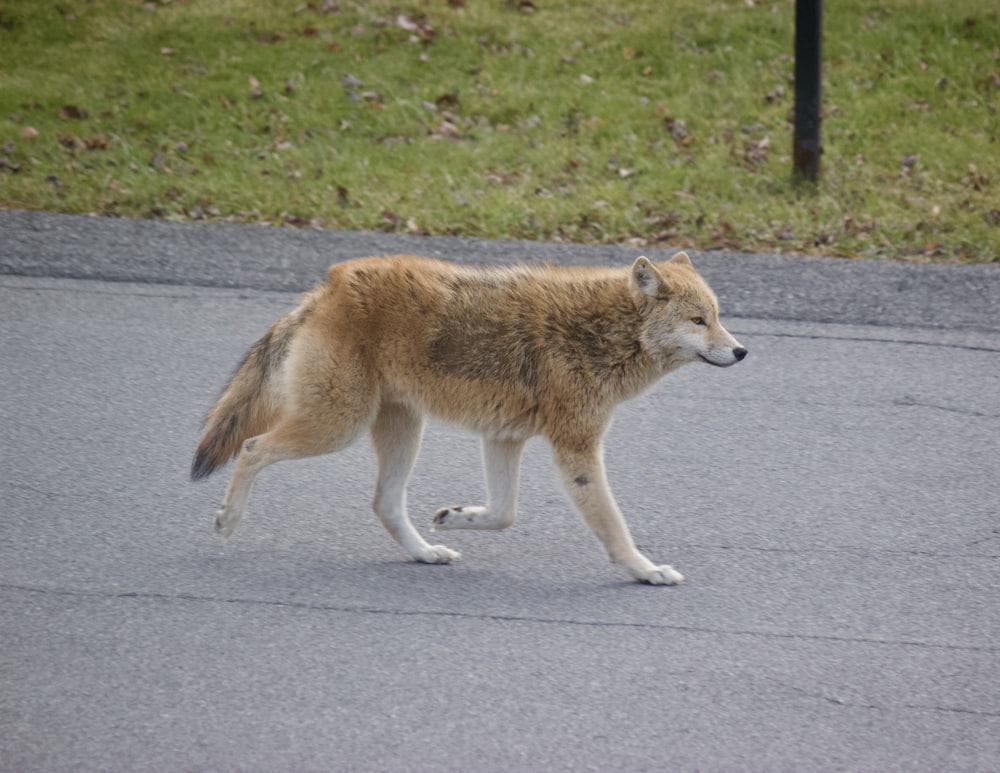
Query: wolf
506	352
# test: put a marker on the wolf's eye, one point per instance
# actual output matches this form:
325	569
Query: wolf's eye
698	320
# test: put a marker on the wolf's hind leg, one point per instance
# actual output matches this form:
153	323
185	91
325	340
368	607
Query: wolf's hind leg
396	436
294	438
502	464
586	481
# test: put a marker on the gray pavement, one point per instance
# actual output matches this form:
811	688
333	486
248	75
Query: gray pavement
832	502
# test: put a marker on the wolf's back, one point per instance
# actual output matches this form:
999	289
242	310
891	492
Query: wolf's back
250	403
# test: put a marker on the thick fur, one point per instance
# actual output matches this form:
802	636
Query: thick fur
508	353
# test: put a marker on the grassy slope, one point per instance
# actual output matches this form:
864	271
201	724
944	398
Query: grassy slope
660	123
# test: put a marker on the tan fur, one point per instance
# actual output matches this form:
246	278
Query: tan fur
508	353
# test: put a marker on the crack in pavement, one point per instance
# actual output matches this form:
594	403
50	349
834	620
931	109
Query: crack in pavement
908	400
877	707
195	292
860	339
497	617
32	489
851	549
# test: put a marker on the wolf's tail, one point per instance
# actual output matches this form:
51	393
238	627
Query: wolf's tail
251	402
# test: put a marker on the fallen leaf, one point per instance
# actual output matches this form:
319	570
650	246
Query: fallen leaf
445	129
676	127
72	113
448	101
975	179
268	38
755	151
406	23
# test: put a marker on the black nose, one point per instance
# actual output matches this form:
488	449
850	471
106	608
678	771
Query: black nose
739	353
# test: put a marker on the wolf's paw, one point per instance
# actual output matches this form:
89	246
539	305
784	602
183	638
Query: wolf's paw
456	517
662	575
225	522
437	554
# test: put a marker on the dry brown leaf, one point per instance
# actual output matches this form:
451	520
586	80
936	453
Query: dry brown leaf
72	113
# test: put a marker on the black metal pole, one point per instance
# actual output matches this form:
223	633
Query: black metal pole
808	65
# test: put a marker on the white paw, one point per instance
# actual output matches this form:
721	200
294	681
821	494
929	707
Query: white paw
663	575
225	522
456	517
437	554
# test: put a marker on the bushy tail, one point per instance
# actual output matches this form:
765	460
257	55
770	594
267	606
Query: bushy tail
250	403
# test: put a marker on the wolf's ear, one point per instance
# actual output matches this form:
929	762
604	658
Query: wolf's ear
681	259
645	279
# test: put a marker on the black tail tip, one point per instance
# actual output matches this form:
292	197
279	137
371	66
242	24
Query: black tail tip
202	466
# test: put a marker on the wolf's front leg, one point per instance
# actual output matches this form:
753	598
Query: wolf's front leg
396	435
502	465
584	477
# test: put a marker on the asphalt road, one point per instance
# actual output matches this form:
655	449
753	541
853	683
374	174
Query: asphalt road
832	502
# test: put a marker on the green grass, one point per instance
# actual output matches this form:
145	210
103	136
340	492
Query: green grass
643	122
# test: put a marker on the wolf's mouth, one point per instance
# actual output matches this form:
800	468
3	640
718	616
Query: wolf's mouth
712	362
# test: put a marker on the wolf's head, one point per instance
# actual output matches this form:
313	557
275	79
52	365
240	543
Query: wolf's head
681	315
